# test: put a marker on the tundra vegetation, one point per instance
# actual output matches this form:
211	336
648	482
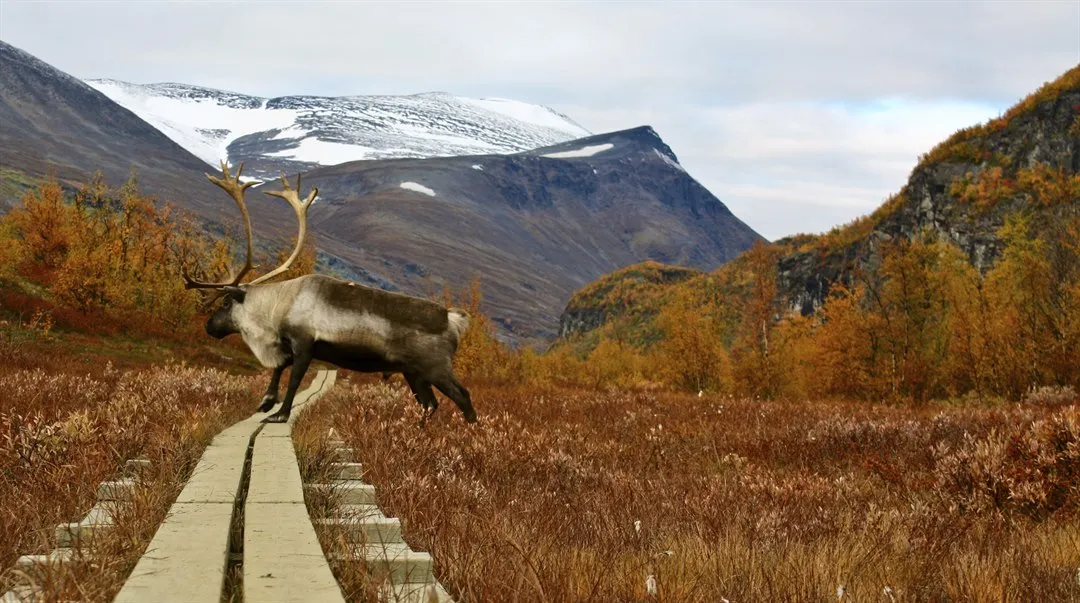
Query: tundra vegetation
915	439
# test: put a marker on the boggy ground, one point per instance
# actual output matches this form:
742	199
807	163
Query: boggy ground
562	495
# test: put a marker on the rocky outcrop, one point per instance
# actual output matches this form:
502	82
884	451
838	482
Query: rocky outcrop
1042	131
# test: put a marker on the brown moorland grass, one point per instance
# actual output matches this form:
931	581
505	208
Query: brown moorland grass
575	495
69	419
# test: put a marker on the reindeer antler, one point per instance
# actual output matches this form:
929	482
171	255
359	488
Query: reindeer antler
235	188
300	207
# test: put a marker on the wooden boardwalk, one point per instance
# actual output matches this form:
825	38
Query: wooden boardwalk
249	468
240	528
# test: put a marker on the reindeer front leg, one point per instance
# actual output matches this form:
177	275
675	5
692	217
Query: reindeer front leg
301	357
271	397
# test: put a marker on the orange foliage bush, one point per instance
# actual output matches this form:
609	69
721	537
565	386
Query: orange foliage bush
984	190
1047	186
102	256
691	355
112	259
480	356
1030	468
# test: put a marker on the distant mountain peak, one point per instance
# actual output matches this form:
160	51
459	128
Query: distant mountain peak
300	132
640	139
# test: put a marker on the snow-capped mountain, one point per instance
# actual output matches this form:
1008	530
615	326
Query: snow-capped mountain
299	132
536	222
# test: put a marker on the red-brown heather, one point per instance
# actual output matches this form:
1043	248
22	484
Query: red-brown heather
569	494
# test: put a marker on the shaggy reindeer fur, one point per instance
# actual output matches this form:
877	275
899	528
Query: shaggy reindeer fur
290	323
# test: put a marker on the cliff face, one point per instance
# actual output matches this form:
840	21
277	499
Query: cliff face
962	191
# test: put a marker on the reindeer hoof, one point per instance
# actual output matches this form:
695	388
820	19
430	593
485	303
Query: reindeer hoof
267	403
470	417
276	418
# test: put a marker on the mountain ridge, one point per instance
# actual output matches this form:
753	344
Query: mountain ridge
535	227
52	122
297	132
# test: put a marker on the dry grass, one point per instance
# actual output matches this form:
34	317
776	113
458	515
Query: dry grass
62	432
577	495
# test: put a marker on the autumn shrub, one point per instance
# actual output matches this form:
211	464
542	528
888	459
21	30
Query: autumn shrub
1051	396
480	355
559	366
1040	185
1031	468
108	256
843	358
614	364
985	189
690	356
1048	186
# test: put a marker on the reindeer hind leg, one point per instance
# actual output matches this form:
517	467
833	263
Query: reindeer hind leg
454	390
421	390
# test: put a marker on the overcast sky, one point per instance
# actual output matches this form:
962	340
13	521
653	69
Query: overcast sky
797	115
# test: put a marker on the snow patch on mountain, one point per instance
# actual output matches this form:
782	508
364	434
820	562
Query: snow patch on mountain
586	151
669	160
417	187
322	152
528	113
330	130
205	123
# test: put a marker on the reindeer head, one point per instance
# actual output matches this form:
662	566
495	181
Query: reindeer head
224	320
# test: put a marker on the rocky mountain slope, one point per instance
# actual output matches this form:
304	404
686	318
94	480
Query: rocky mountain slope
294	133
962	191
533	225
52	123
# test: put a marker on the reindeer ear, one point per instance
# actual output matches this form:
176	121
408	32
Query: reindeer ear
236	293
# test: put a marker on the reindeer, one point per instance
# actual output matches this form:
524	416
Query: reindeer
318	317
